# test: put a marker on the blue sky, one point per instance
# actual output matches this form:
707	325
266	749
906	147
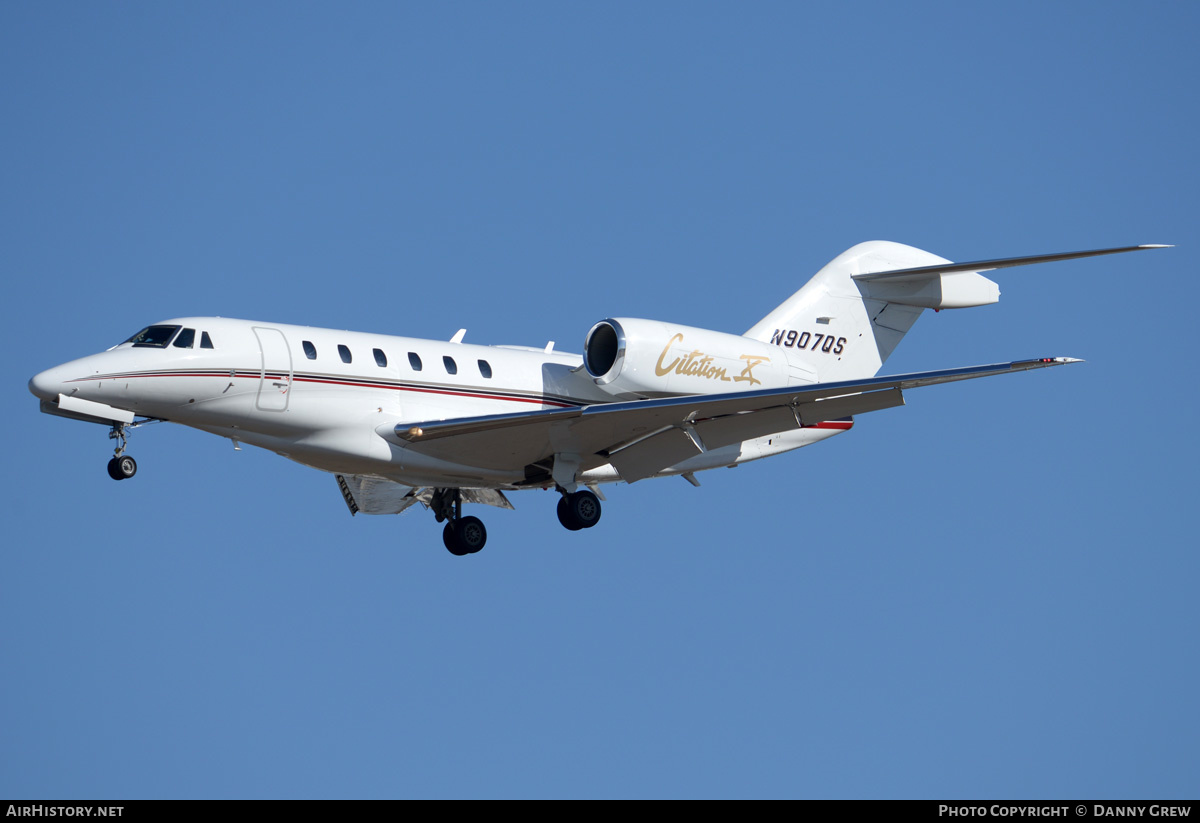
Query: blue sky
987	593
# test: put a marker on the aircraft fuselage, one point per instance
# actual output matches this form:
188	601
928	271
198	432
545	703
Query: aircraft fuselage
331	399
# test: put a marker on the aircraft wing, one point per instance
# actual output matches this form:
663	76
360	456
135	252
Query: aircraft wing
643	437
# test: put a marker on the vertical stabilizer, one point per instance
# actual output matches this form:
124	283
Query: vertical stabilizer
845	329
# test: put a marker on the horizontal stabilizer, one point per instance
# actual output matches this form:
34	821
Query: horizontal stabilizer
922	272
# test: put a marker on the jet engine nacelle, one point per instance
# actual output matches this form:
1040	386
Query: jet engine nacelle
649	358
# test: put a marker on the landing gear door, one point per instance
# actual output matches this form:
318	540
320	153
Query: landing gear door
275	386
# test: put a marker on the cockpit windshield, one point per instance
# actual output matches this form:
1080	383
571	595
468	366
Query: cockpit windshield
154	337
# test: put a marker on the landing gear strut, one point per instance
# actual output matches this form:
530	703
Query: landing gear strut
122	466
462	535
578	510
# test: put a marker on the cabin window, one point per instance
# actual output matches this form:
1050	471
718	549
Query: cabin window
344	353
205	340
451	367
485	369
186	339
154	337
310	351
380	358
414	360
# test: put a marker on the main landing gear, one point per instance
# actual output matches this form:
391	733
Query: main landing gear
467	535
122	466
578	510
462	535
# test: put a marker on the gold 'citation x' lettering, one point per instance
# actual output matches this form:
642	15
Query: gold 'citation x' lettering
698	364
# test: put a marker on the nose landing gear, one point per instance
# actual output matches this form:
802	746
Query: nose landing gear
122	466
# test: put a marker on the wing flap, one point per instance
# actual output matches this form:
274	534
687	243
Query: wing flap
371	494
836	408
486	497
719	432
667	448
651	455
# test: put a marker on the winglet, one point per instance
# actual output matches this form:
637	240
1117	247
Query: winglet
1041	362
458	336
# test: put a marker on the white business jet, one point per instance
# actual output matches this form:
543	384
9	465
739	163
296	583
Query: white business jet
400	421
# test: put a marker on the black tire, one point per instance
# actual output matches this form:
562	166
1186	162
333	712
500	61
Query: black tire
564	516
584	508
127	466
450	538
122	468
471	534
580	510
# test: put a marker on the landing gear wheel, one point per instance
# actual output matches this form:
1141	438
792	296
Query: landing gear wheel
122	468
464	536
580	510
471	533
451	540
564	516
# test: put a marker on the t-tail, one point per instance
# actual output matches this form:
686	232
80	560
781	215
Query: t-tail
848	319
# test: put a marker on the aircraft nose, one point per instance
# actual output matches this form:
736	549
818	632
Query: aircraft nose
48	384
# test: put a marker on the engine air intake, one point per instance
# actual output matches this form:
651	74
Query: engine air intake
604	347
